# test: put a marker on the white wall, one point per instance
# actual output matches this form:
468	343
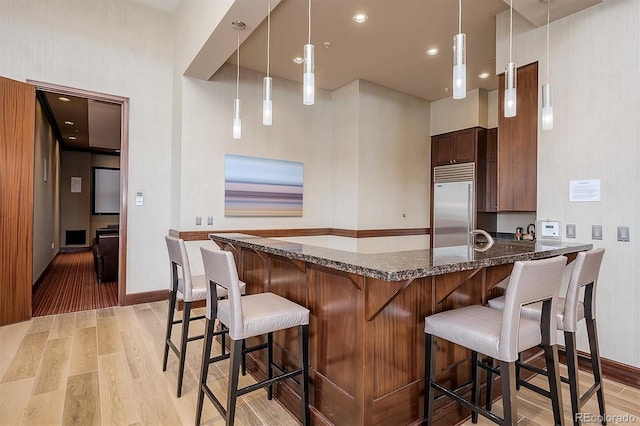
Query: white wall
299	133
595	136
45	195
394	158
114	47
345	143
448	114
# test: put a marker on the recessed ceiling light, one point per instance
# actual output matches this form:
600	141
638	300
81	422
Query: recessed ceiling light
72	138
484	75
63	99
298	60
433	51
68	123
360	17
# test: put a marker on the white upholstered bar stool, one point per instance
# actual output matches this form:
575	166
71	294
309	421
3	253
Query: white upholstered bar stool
249	316
502	336
570	311
192	288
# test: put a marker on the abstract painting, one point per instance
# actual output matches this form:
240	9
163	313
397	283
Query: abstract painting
262	187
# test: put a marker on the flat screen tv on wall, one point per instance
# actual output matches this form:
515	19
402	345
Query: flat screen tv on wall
105	188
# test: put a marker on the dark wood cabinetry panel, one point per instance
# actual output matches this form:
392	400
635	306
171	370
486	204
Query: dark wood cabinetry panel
454	147
518	144
488	173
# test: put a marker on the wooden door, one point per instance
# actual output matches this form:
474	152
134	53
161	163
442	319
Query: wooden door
17	126
464	146
442	149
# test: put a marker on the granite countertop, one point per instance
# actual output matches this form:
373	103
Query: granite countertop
403	265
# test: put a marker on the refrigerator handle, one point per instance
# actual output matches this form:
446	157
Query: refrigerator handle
470	225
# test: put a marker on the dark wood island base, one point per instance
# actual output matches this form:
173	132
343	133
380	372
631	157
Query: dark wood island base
366	347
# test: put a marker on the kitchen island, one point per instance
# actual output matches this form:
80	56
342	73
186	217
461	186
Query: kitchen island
366	347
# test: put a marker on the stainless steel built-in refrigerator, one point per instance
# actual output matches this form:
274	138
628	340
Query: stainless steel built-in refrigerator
453	204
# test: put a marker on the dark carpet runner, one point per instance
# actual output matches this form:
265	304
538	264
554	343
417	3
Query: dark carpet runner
70	285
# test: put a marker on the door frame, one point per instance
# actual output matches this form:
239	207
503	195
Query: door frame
124	166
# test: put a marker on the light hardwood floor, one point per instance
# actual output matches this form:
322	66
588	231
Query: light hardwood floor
105	367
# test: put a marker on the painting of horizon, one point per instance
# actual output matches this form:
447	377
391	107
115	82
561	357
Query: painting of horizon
262	187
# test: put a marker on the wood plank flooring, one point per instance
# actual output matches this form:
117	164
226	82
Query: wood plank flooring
70	285
104	367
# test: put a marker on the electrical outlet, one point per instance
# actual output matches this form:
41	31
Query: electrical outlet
210	220
623	233
571	230
596	232
53	245
198	220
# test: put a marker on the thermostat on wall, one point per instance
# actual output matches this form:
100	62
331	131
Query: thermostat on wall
550	229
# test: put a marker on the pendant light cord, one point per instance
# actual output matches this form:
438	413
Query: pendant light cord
309	40
238	69
459	16
548	1
268	35
510	29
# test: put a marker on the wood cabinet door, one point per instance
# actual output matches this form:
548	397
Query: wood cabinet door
442	149
492	170
518	144
17	127
464	146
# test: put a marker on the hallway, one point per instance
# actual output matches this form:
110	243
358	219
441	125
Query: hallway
70	285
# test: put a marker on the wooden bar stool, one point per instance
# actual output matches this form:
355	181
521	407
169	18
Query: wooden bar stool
570	311
249	316
500	335
192	288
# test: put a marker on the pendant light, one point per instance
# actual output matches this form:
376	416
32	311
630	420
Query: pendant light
308	79
547	109
267	106
510	75
237	124
459	59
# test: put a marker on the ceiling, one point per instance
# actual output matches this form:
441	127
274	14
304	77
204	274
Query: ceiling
389	49
84	124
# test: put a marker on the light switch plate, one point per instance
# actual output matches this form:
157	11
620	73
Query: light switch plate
623	233
596	232
571	230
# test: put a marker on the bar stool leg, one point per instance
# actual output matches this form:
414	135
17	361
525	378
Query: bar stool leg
552	363
489	400
572	367
172	308
595	364
234	372
508	379
303	337
244	357
269	364
430	351
475	389
183	346
204	369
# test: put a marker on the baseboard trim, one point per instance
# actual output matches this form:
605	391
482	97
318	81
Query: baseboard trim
35	285
613	370
304	232
146	297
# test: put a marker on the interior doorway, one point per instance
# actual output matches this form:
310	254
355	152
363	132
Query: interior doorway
105	215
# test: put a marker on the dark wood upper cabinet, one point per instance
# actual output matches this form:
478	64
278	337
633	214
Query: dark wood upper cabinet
518	145
488	172
454	147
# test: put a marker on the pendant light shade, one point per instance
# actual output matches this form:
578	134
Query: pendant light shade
308	78
267	106
547	109
459	59
510	95
511	71
237	123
